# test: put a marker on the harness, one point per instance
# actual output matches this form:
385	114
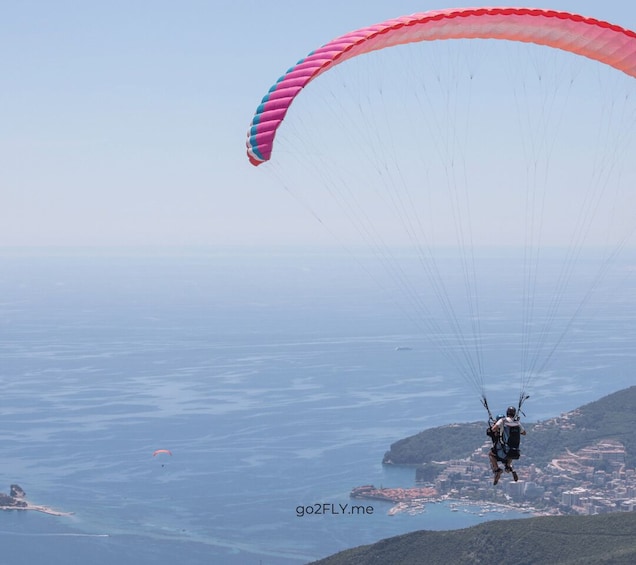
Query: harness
508	442
511	439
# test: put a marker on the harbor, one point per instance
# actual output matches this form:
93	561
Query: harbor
414	500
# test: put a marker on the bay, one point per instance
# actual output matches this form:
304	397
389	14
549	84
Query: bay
277	379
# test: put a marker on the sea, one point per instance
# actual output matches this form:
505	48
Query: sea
276	378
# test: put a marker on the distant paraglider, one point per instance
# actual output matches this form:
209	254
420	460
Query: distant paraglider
161	452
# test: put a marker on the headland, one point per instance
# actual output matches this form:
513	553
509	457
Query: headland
16	500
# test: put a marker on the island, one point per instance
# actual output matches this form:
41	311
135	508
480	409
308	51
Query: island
16	500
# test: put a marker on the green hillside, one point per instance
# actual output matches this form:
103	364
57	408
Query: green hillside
611	417
564	540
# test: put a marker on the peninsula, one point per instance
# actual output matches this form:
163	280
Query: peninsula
582	462
15	500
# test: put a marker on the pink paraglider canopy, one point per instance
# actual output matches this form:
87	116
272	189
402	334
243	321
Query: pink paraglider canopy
595	39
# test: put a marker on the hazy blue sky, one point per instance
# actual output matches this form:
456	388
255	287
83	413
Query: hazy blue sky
123	122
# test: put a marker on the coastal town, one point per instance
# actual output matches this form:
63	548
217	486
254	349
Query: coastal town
592	480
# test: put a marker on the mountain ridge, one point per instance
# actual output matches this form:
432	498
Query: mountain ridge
567	540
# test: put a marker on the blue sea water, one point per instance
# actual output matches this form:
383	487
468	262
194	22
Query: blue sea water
274	380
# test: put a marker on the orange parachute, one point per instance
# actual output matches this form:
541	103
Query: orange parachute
158	451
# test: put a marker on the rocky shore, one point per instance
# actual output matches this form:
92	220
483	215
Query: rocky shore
16	500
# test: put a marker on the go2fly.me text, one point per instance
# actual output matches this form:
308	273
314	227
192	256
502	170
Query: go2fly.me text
330	508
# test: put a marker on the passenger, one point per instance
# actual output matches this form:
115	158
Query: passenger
506	434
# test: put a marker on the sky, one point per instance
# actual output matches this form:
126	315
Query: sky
123	123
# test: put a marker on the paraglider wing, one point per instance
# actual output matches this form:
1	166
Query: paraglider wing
158	451
589	37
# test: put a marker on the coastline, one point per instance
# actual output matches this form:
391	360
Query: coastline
37	508
15	500
417	506
414	501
